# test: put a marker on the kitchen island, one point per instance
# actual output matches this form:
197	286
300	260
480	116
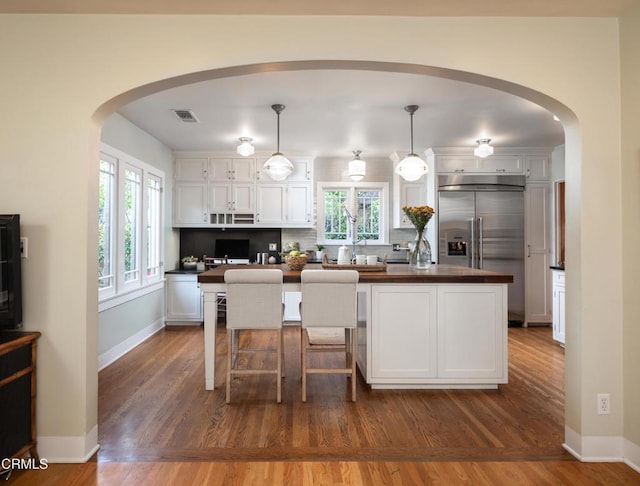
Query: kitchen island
444	327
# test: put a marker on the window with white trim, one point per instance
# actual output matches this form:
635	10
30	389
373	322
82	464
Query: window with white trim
339	202
130	232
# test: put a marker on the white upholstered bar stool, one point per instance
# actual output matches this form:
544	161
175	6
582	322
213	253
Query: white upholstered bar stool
329	301
254	302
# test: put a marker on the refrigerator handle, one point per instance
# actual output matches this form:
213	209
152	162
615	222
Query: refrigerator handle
480	242
472	223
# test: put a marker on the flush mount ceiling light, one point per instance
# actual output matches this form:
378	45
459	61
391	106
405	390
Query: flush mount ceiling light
278	167
412	167
483	149
245	148
357	167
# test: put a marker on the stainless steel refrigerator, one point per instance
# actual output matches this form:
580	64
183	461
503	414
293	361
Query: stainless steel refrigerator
481	225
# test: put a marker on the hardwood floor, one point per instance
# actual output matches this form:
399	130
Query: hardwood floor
157	425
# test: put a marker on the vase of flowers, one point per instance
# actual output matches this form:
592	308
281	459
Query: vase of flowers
420	249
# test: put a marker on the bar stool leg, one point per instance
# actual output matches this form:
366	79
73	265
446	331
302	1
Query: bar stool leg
303	362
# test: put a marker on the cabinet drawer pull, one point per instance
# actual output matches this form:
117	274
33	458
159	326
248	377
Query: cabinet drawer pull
459	170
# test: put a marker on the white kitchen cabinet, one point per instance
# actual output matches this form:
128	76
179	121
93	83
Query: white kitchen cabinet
472	323
537	254
558	306
501	164
302	170
191	169
299	204
403	333
538	168
436	335
470	164
271	203
291	302
231	198
285	204
231	191
190	204
232	169
406	193
183	299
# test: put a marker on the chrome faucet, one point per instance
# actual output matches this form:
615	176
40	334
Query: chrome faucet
353	223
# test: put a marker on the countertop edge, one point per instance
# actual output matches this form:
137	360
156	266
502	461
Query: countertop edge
396	274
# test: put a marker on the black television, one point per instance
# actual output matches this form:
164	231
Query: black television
10	272
235	250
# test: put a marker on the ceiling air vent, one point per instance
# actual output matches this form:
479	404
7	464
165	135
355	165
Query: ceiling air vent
186	116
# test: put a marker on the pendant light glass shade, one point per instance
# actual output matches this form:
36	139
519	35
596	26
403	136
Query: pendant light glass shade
483	149
278	167
357	167
245	148
412	167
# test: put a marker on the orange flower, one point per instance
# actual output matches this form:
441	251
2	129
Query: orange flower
419	215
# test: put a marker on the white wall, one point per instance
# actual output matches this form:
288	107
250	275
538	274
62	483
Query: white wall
630	195
123	326
58	69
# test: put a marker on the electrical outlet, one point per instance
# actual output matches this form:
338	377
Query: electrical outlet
273	247
603	404
24	247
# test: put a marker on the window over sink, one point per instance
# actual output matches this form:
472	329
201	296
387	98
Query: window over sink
366	202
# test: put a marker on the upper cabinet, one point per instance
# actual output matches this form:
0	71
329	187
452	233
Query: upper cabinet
286	203
222	169
407	193
219	191
191	169
538	168
470	164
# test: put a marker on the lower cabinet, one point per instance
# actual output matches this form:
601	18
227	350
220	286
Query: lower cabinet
404	332
183	300
437	336
558	306
17	395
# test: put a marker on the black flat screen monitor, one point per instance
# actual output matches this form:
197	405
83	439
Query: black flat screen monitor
231	248
10	272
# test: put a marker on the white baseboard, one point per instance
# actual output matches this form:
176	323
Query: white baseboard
108	357
602	449
632	455
68	449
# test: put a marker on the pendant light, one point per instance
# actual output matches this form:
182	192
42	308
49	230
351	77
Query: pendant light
483	149
278	167
245	148
412	167
357	167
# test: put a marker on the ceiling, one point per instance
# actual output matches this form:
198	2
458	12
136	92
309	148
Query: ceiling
333	112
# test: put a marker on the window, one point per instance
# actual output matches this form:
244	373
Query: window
339	202
106	218
130	243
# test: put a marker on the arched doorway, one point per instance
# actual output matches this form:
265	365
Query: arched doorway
549	103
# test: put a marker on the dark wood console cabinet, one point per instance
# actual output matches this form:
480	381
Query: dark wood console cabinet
18	394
